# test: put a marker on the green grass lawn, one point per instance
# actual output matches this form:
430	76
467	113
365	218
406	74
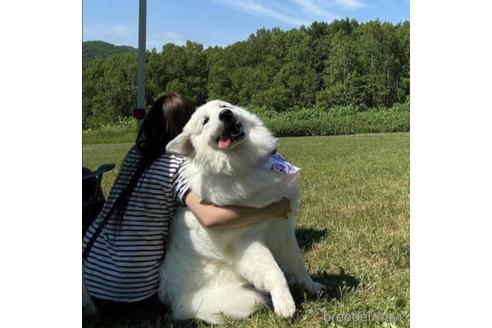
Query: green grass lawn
353	228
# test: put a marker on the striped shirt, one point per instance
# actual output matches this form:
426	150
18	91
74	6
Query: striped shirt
123	263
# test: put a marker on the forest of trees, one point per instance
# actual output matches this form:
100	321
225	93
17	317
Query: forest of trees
92	50
366	65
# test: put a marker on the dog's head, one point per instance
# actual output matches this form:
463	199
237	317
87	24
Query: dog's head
221	138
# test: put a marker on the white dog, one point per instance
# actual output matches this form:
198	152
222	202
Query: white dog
208	273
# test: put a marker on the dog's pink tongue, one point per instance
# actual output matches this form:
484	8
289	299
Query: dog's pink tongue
224	142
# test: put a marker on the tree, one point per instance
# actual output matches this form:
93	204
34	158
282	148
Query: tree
322	65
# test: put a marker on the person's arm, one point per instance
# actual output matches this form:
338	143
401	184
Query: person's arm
213	216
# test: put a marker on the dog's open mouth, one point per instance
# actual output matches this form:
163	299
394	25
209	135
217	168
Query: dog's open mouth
232	134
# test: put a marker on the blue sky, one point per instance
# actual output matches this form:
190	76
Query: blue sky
222	22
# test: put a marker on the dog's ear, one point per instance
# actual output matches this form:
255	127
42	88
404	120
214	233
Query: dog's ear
181	145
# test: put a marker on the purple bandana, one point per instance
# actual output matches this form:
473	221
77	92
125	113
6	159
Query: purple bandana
277	163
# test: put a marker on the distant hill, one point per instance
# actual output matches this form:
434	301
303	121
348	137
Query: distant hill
100	49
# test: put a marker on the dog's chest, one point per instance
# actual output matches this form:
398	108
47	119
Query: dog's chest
257	189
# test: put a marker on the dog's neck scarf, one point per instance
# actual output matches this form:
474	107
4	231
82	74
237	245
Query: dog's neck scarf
277	163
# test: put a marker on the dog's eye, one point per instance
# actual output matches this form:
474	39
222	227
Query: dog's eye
205	120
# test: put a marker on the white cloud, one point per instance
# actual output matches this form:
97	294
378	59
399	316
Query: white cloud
255	7
324	8
118	34
350	4
158	39
295	12
315	8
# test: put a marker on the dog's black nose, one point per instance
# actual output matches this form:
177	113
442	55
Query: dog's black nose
226	115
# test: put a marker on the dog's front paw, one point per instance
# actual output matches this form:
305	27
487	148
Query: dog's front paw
314	287
284	305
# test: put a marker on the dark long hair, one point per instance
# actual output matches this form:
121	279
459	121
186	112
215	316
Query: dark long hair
164	121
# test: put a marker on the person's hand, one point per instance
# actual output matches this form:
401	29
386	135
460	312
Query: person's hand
280	208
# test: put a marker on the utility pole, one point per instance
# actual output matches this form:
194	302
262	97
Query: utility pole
139	111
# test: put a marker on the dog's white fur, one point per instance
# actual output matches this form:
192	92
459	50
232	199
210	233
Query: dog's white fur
208	273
